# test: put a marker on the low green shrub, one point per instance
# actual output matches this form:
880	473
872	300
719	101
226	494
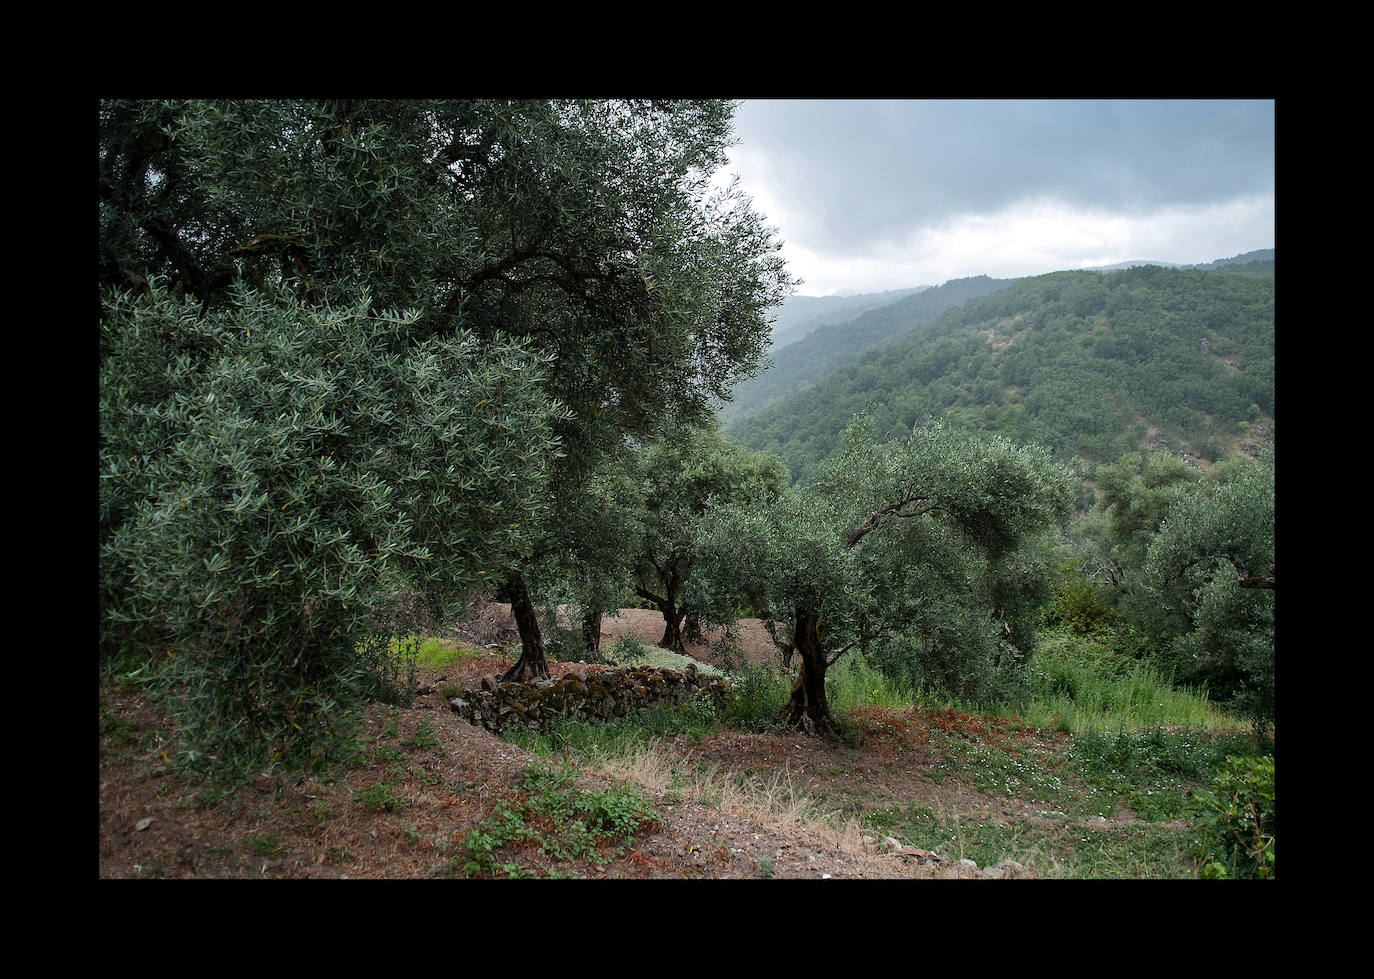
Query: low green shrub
1077	604
757	698
1235	820
566	822
628	649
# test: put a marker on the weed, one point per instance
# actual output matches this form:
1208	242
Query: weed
854	682
381	797
757	698
265	845
386	754
1082	684
628	649
424	738
213	794
1153	771
423	776
1236	820
153	870
565	822
693	720
117	730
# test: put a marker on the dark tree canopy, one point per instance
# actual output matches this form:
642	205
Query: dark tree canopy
572	255
589	227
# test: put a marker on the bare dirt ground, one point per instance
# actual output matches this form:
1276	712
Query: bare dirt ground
428	778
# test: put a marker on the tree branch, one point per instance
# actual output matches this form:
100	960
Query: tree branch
200	282
894	510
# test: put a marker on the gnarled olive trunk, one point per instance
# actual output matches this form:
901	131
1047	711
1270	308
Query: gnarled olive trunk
591	634
532	662
672	617
807	708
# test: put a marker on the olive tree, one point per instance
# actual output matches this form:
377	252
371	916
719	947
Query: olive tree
1213	563
683	473
590	232
587	576
913	541
285	487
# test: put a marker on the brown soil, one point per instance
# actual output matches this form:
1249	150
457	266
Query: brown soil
407	810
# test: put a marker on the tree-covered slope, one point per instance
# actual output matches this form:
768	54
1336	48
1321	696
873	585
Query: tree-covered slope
799	365
1090	364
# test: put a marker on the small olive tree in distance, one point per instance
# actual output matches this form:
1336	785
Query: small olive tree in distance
681	474
910	541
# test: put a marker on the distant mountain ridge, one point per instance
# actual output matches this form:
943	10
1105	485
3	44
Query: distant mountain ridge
798	365
1245	258
800	315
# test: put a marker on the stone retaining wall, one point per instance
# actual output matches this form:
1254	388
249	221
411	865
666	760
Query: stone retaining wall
588	695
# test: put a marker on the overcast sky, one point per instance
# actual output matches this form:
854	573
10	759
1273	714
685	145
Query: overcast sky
872	195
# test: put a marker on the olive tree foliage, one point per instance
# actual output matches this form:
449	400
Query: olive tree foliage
1213	564
681	473
284	487
591	227
912	550
1134	495
589	231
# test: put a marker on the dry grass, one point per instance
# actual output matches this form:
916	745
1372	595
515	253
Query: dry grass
774	802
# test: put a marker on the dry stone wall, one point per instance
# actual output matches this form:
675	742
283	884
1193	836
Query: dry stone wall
586	695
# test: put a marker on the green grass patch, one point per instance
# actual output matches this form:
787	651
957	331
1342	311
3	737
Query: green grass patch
854	682
430	652
1081	684
266	844
1055	844
1156	772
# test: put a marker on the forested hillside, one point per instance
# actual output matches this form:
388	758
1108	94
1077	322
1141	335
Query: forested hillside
799	365
1090	364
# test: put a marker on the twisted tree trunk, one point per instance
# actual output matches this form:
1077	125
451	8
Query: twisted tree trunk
808	709
532	662
591	634
672	616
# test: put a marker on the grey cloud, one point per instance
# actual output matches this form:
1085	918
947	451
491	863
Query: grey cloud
857	172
